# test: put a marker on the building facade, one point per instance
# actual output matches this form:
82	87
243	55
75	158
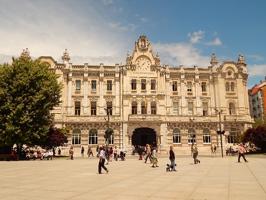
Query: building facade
144	102
257	101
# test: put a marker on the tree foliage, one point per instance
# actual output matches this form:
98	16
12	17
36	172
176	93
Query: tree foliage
55	137
256	136
28	92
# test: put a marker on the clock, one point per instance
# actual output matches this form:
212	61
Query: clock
143	63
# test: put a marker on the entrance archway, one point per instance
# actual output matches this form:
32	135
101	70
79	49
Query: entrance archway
143	136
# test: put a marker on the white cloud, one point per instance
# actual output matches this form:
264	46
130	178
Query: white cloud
196	36
107	2
257	70
181	54
48	27
215	42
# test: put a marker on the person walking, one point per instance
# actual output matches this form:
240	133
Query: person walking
102	161
89	152
71	153
172	158
195	154
241	152
148	152
154	158
82	151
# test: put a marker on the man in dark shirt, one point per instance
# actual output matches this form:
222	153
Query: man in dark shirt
172	158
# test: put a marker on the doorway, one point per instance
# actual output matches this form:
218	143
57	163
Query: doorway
143	136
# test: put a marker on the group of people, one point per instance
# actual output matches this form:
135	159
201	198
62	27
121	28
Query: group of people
106	154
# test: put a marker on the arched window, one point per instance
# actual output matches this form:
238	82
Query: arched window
111	139
134	108
153	108
93	137
232	110
176	136
233	136
206	136
76	136
191	136
143	108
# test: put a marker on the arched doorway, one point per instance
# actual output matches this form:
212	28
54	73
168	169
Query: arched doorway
143	136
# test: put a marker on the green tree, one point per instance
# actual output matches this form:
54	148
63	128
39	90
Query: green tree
28	92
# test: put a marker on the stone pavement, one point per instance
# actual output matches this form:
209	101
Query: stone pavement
214	178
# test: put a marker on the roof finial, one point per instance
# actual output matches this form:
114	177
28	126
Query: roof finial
25	54
214	60
241	59
65	56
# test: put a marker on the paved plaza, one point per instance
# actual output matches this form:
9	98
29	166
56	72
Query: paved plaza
214	178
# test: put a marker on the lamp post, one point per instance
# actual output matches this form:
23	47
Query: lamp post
108	131
220	132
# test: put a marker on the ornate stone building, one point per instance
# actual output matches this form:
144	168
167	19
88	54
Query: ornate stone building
152	103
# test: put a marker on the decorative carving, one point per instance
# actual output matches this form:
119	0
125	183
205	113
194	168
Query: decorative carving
66	56
214	60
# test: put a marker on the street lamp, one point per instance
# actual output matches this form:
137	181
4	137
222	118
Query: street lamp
220	132
108	131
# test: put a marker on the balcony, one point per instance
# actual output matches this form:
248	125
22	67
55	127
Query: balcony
91	118
144	118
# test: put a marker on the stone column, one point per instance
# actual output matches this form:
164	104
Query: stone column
85	89
139	106
100	104
117	96
69	94
148	107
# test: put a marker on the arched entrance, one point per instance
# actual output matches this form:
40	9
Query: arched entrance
143	136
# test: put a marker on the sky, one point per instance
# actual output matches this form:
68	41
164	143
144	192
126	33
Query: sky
103	31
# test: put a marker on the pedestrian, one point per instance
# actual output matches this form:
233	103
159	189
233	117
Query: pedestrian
241	152
82	151
97	151
71	153
102	161
154	158
195	154
172	158
89	152
115	153
59	151
148	153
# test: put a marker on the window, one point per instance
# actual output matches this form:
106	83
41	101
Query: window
111	139
143	108
227	87
109	107
176	136
190	108
143	84
203	87
77	107
78	85
189	88
205	108
76	136
153	84
174	86
93	108
191	136
93	138
133	84
153	108
175	108
232	109
93	85
233	136
109	85
134	108
232	86
206	136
